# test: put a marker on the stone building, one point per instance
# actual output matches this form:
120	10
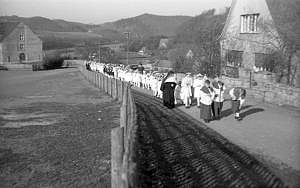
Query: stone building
18	44
163	43
249	35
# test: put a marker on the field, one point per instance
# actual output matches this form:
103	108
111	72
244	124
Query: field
58	40
54	130
69	35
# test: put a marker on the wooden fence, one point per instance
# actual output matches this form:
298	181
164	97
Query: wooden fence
123	138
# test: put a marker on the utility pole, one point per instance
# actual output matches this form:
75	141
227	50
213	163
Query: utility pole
99	51
127	54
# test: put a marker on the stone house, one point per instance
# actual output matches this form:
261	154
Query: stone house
248	37
19	44
189	54
163	43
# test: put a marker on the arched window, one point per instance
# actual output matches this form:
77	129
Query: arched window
22	57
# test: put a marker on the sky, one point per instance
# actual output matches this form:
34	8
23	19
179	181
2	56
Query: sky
100	11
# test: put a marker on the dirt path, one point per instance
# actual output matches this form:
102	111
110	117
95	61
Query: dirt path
54	130
177	151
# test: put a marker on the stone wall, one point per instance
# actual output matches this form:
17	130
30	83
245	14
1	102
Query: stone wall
263	88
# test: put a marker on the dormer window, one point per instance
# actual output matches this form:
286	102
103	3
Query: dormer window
22	37
249	23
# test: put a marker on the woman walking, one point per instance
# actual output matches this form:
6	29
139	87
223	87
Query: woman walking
168	87
198	84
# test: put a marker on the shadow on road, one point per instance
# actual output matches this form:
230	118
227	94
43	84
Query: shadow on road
229	112
251	111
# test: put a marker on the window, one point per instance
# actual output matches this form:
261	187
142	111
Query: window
22	37
234	58
263	61
22	46
249	23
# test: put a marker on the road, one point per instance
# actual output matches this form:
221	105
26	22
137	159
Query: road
54	130
176	150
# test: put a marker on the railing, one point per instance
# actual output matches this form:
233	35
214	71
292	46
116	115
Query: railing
123	138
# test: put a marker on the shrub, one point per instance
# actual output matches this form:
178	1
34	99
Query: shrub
53	62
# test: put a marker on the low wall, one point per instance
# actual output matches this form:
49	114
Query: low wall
265	90
123	138
18	66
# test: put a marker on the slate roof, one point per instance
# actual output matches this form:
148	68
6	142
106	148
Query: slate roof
6	28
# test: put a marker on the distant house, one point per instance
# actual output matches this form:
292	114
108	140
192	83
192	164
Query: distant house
18	44
163	43
249	35
117	47
142	51
190	54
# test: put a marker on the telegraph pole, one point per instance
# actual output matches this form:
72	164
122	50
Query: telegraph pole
127	54
99	51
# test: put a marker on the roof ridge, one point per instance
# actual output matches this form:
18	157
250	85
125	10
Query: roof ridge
6	28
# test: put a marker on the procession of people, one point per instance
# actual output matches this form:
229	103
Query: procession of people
208	93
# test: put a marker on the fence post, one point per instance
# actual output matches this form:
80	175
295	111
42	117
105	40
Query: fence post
105	83
250	83
98	81
121	91
117	150
116	89
102	81
111	87
125	105
108	84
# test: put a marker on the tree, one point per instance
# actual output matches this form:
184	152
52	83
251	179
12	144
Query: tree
201	35
285	43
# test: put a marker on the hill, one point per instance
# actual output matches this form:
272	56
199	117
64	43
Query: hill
44	24
142	26
145	25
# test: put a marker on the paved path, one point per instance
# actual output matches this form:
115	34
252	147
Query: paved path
269	132
177	151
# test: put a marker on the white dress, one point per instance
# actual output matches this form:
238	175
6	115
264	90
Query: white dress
187	87
198	83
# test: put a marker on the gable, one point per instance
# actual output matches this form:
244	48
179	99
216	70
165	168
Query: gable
6	28
29	34
246	7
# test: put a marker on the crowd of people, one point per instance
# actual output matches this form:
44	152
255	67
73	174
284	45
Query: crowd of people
209	94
